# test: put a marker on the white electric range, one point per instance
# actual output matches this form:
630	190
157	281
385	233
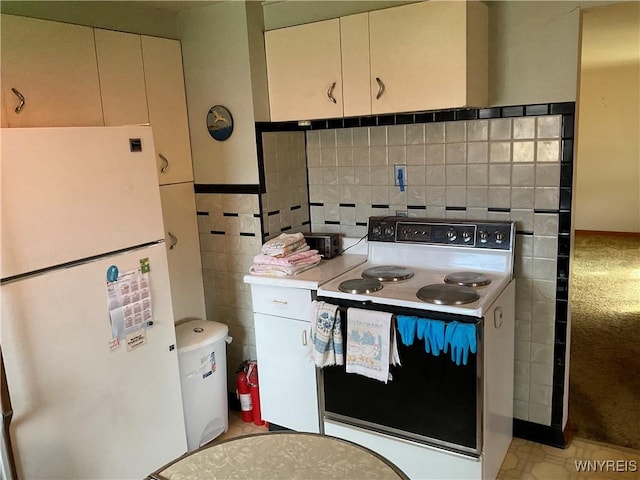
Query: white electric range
437	418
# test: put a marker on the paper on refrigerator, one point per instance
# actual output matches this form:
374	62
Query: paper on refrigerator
129	303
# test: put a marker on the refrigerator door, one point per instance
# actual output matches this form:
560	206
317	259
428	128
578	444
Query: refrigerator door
80	409
73	193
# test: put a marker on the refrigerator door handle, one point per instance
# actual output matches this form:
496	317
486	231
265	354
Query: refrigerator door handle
8	461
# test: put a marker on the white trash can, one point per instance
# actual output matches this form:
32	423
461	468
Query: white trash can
202	357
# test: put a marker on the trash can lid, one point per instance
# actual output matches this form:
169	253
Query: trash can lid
197	333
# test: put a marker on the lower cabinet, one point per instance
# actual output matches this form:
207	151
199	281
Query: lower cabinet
288	387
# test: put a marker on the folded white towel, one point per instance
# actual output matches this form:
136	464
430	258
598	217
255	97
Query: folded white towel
280	270
326	334
371	343
283	244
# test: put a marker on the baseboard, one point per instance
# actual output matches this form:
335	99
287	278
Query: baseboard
552	436
606	232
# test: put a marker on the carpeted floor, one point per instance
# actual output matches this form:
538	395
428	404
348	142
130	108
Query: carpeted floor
604	371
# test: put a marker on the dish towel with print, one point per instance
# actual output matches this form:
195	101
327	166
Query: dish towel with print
371	344
326	334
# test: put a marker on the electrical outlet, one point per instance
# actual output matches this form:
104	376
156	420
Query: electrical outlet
400	171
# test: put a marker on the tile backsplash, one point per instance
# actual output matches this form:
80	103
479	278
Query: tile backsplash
478	169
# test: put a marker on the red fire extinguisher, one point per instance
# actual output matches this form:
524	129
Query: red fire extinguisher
252	378
244	395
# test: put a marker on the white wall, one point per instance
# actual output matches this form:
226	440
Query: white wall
607	168
123	16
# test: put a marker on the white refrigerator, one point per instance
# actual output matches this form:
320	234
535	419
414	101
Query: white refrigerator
87	331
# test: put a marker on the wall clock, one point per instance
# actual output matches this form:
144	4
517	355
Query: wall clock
219	123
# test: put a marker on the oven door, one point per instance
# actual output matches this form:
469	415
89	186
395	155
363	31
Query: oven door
430	399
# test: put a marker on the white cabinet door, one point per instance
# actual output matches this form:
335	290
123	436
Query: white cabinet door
164	79
428	56
354	38
288	388
183	250
53	66
124	99
304	71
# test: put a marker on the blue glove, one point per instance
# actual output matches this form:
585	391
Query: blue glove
462	339
466	340
424	332
436	336
407	328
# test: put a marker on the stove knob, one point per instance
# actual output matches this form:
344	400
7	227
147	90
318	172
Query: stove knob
377	230
499	237
484	236
466	236
388	231
451	234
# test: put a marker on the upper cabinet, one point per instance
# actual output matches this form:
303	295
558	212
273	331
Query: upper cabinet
429	56
49	74
304	71
124	98
416	57
164	80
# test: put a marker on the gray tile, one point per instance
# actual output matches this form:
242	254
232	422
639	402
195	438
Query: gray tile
434	154
500	152
477	197
521	197
396	135
477	174
548	151
477	130
344	137
478	152
434	133
378	136
500	129
500	174
523	152
524	127
456	174
455	131
361	137
416	154
415	134
327	139
378	156
456	153
435	175
549	126
523	175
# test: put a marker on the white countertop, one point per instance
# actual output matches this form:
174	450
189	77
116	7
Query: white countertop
310	279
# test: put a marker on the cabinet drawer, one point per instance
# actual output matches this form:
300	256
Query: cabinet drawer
281	301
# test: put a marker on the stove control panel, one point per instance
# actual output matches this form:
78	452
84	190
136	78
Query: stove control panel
491	235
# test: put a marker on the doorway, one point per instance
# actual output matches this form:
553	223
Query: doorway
604	390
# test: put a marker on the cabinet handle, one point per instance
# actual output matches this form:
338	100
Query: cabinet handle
304	338
165	167
497	317
279	302
21	98
330	93
174	240
380	88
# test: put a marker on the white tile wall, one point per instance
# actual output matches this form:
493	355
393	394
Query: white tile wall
510	164
228	244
